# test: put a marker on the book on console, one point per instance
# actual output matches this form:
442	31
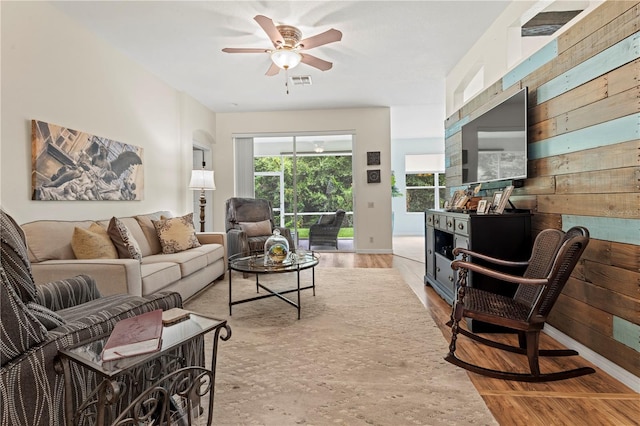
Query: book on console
137	335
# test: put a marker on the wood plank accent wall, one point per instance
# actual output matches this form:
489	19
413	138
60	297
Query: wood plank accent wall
584	169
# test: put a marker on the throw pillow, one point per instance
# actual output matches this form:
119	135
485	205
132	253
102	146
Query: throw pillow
19	330
176	234
92	243
126	245
46	316
256	229
327	219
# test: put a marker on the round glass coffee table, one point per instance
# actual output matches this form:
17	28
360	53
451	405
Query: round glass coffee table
258	265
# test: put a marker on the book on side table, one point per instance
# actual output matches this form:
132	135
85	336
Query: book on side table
134	336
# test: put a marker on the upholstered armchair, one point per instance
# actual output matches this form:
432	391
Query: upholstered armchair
38	320
249	223
325	231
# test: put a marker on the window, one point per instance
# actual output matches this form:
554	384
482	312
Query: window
425	191
424	182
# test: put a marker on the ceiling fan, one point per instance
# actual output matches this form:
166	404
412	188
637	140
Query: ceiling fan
288	46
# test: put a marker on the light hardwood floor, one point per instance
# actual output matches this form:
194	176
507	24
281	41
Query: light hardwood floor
596	399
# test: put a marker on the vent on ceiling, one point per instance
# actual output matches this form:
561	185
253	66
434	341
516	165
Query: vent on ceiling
301	80
547	23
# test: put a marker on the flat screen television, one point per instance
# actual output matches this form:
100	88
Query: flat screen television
494	144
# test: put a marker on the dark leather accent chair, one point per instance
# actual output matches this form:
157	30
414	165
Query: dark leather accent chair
243	211
554	256
325	231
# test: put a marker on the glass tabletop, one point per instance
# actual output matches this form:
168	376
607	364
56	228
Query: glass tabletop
89	354
258	263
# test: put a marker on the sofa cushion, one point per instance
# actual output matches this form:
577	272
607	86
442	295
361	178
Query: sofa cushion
146	224
93	243
19	329
214	252
46	316
14	258
176	234
123	239
189	261
156	276
256	229
51	239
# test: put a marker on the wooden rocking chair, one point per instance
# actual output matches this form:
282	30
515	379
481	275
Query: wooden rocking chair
553	257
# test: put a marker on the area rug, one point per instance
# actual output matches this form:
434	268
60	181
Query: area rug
365	352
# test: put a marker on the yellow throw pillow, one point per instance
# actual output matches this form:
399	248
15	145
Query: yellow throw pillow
92	243
256	229
176	234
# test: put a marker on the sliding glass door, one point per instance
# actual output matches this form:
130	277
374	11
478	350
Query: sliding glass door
306	177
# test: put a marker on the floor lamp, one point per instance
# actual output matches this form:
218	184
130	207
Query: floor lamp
202	180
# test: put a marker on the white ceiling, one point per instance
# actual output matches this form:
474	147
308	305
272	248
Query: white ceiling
392	53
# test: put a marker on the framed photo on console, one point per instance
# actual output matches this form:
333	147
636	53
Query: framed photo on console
504	199
482	206
495	201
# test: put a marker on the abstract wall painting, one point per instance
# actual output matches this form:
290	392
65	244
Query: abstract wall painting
72	165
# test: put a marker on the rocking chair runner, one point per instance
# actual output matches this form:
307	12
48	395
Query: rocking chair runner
553	257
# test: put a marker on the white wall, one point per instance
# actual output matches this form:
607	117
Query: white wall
409	223
371	127
500	49
55	70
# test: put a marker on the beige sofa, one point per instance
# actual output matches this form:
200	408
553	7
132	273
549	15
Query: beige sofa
187	272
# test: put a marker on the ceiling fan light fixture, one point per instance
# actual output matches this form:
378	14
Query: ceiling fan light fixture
285	58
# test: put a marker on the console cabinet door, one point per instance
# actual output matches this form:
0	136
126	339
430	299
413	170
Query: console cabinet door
431	260
461	241
446	276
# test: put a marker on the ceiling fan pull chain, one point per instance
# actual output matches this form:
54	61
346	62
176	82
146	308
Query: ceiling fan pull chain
286	79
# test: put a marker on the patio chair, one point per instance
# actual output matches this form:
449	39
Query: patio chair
325	231
554	256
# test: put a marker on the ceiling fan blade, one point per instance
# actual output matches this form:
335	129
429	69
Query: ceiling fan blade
273	70
244	50
270	28
321	64
326	37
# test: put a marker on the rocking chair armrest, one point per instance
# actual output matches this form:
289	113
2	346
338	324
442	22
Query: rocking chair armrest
502	262
514	279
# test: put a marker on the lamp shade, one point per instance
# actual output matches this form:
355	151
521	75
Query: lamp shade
202	180
286	59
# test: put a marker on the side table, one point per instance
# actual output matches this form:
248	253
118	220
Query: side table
163	387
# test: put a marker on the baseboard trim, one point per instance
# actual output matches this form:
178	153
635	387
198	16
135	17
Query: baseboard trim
374	251
612	369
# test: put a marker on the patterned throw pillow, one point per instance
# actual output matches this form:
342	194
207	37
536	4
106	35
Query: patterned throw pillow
46	316
19	330
122	238
176	234
256	229
93	243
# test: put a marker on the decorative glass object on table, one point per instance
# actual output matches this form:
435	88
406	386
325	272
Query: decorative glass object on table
276	249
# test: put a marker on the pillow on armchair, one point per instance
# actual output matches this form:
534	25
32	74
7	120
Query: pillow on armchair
327	219
256	229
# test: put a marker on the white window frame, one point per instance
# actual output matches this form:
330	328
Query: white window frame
436	188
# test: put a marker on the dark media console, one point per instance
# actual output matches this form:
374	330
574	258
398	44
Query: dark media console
505	236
